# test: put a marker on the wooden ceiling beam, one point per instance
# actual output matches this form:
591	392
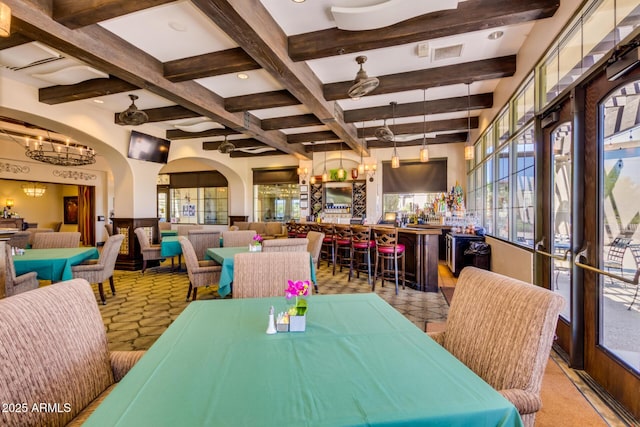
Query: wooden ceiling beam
254	30
297	138
440	139
321	148
76	14
104	51
93	88
236	154
181	134
162	114
471	15
258	101
290	122
436	106
433	126
239	143
468	72
15	39
209	64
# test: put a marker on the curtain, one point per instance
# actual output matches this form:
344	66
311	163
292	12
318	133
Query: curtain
86	214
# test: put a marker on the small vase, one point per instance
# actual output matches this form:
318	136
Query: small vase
297	323
255	248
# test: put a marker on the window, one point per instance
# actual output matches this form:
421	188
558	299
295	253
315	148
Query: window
524	191
276	202
198	198
502	127
502	194
524	105
487	191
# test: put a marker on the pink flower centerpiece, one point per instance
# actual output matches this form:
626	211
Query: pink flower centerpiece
297	312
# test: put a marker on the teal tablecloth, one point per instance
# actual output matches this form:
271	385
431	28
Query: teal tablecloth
170	246
224	256
52	264
359	363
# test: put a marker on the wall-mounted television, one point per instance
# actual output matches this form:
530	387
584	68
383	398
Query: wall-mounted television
337	194
148	148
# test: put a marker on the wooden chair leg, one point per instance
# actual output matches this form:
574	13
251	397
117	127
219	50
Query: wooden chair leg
375	273
144	266
113	288
195	294
101	291
189	292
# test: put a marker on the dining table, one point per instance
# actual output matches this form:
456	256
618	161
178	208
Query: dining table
359	363
225	257
164	233
53	264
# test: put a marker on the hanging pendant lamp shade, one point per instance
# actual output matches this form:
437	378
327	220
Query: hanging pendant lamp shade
424	151
468	148
341	172
312	180
395	160
361	165
325	176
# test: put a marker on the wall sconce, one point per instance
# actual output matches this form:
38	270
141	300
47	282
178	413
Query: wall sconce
303	173
9	203
370	169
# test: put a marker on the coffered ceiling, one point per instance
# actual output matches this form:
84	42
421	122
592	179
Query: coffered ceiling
184	60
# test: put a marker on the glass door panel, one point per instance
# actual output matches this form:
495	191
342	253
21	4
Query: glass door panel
561	160
619	251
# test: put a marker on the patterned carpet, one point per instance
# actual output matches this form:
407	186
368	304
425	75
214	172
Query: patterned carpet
145	305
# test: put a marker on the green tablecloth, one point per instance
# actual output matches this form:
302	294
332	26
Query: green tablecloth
224	256
164	233
52	264
170	246
360	362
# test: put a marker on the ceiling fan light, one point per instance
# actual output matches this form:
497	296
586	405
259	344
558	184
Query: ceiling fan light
363	84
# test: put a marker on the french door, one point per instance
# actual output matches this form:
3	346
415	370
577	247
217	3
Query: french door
588	247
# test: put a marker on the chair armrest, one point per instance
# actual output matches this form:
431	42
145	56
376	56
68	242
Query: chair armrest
123	361
207	269
524	401
207	263
26	278
437	337
87	267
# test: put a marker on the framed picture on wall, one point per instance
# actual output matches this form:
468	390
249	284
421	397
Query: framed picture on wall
70	210
304	204
304	197
304	188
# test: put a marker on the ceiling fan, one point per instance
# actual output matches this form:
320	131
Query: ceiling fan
132	116
383	133
226	147
363	84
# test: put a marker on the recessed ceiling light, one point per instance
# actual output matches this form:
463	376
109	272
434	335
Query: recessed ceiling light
495	35
177	26
243	76
98	101
298	1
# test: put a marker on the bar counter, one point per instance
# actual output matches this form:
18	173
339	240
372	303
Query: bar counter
421	254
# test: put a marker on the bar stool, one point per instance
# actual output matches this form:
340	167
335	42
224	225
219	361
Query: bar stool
388	251
291	229
301	231
328	248
361	245
343	246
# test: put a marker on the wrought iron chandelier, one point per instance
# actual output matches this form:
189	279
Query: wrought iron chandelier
58	153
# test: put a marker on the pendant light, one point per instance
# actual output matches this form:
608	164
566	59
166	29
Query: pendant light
5	20
395	160
312	180
341	171
424	151
468	148
361	165
325	176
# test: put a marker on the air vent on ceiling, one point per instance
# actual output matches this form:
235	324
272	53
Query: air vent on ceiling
446	52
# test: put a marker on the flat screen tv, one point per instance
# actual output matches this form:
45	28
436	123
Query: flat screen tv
148	148
337	194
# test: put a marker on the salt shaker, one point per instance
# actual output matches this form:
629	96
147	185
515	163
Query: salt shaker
271	327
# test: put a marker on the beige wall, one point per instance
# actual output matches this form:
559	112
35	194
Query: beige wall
510	260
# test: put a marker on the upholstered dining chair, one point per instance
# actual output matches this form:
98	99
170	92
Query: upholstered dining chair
98	271
109	229
503	329
15	284
202	239
183	229
285	245
164	225
149	252
34	231
19	239
237	238
265	274
65	358
61	239
201	273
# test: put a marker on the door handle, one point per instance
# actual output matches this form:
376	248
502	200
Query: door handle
562	257
584	253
